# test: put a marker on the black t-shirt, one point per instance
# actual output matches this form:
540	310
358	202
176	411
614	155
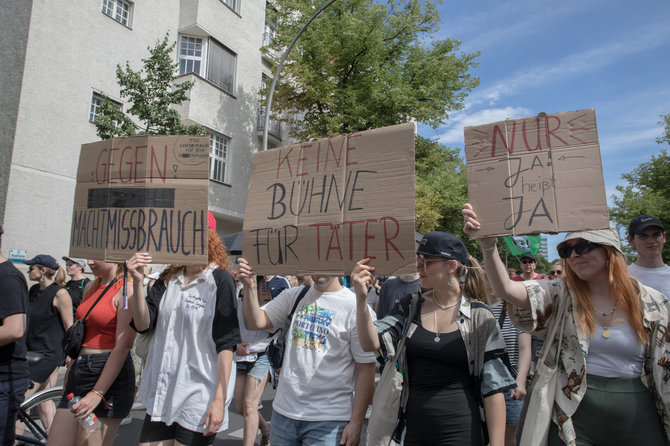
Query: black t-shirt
13	300
76	290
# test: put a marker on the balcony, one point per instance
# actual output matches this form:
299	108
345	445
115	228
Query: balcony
275	126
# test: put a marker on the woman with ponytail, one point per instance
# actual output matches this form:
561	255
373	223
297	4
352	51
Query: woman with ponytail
454	348
49	316
613	382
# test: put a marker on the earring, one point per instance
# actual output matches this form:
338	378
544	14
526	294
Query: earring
450	282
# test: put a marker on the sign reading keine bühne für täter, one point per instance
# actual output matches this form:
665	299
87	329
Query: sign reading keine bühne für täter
143	193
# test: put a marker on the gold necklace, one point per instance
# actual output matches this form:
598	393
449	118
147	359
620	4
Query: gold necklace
610	316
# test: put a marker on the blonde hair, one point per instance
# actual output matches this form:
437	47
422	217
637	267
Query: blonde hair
473	279
58	276
624	287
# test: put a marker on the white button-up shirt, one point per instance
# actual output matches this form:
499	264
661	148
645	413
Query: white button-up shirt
181	373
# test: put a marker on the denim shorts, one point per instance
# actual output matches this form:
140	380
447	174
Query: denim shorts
84	373
286	431
513	409
257	368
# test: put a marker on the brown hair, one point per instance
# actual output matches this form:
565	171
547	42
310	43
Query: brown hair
216	253
621	283
474	283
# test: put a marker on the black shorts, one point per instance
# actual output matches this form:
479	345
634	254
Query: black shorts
85	372
159	431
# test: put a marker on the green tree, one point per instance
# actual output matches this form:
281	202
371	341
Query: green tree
666	123
647	192
365	64
151	91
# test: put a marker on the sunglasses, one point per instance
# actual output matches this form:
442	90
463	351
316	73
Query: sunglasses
580	248
423	262
555	273
526	262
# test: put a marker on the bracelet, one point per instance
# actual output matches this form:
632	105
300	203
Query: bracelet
99	393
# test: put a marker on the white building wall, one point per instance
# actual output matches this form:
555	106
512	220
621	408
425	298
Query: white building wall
73	51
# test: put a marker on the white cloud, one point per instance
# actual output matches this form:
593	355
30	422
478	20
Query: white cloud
586	61
453	133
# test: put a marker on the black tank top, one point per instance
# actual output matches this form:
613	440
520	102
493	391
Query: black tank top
45	326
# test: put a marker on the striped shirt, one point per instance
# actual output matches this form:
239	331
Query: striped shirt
510	335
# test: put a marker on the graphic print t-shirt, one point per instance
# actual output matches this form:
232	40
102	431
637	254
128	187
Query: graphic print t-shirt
318	374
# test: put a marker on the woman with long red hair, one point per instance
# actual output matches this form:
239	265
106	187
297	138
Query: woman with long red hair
189	368
613	381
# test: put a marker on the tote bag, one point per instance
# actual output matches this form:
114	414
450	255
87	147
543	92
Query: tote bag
543	391
390	393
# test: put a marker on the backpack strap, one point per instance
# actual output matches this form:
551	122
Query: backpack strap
302	294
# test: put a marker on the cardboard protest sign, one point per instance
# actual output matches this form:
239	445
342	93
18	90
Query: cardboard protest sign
143	193
537	174
321	206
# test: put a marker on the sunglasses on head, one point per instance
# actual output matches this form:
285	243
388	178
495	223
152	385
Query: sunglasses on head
580	248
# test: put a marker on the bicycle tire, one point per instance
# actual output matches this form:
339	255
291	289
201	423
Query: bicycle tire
30	407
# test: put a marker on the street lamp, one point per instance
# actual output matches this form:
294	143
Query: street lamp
266	118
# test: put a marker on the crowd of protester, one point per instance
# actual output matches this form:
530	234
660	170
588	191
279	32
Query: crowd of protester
466	334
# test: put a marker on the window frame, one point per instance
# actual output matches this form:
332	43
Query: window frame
235	5
187	57
208	45
110	8
94	105
216	159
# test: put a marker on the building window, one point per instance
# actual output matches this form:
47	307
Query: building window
96	104
233	4
221	66
218	66
119	10
218	157
190	55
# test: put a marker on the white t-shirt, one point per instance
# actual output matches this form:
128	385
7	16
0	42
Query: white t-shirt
318	374
657	278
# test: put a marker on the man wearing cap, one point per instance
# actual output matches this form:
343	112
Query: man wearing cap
75	286
647	235
528	266
14	375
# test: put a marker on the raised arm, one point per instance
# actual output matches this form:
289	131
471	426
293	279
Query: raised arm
513	292
254	317
138	305
362	277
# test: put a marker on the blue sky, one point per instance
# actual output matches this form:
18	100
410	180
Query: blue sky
611	55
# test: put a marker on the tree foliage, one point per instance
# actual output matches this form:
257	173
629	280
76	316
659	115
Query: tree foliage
365	64
666	127
151	91
647	192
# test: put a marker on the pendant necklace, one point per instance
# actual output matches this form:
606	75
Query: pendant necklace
609	316
441	307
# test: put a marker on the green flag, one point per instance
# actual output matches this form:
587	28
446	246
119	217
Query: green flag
518	244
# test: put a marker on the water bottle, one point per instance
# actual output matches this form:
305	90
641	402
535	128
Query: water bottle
90	422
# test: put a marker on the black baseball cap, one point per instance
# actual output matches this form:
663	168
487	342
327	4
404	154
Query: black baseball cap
43	259
642	222
443	244
528	255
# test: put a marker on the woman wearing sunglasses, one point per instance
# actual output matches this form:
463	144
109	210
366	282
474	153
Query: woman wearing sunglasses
613	383
454	347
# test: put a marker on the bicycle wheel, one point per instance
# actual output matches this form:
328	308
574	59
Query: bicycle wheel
35	432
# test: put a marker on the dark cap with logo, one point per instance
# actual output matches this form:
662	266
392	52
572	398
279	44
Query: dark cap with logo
43	259
443	244
528	255
639	224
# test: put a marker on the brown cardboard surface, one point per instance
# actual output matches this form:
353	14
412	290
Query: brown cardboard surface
143	193
321	206
537	174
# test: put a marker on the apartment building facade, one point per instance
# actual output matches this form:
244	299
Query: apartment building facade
60	58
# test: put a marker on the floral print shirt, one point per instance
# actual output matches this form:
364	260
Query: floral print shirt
571	381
